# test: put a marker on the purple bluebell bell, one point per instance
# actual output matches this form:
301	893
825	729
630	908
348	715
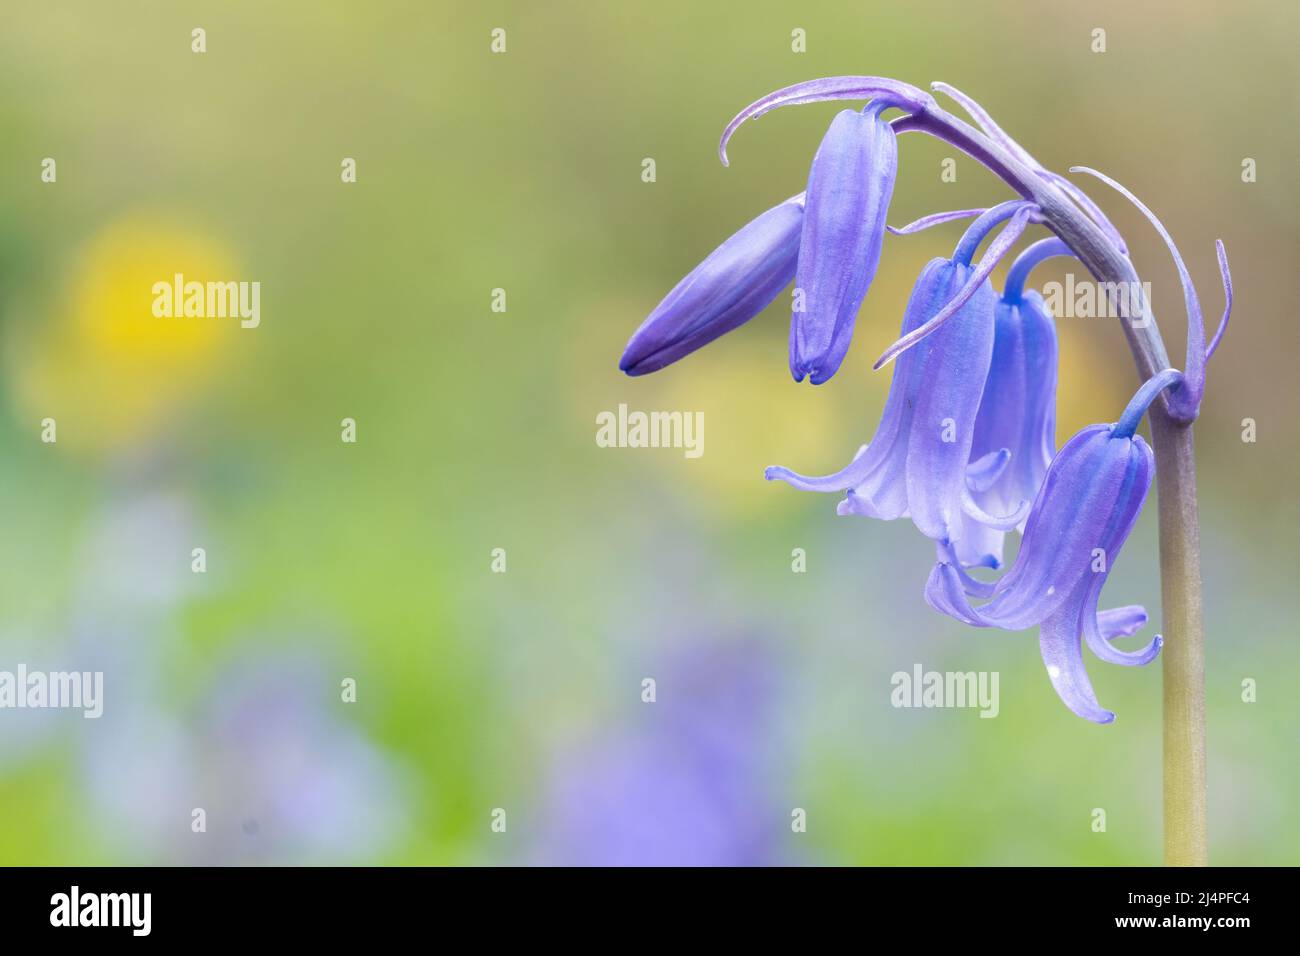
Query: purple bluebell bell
1018	410
849	188
736	282
1090	500
1018	213
835	248
917	463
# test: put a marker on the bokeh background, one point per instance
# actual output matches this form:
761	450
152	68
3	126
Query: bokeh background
521	691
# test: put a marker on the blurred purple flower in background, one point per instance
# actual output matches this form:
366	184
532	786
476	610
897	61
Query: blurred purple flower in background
264	747
280	775
681	784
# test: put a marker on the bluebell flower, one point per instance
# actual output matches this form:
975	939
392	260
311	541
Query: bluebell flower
1019	214
736	282
918	463
836	247
849	188
1018	409
1090	500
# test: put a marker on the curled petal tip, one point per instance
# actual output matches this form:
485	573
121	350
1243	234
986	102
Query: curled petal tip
814	375
631	364
984	472
1121	621
996	522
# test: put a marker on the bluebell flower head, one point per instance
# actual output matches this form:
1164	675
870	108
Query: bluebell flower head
1090	499
965	441
1018	410
849	188
736	282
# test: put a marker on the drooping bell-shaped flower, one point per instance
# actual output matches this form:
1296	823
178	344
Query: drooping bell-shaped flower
1018	410
918	463
736	282
849	188
1090	500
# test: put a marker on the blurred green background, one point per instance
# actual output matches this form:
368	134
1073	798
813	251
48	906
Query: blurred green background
479	691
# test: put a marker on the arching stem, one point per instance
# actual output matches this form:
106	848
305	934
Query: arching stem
1185	833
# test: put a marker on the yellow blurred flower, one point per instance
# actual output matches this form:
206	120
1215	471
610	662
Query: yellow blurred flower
757	416
1097	376
102	365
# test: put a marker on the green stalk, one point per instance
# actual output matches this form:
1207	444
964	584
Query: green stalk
1184	650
